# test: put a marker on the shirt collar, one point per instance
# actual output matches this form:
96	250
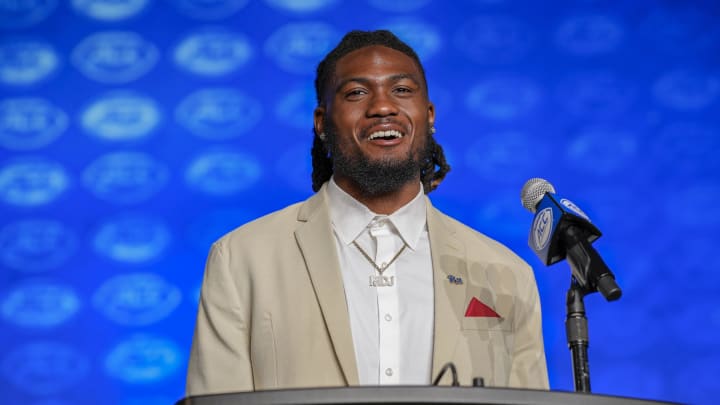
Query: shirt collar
350	217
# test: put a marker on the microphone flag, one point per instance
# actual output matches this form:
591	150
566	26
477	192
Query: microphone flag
553	215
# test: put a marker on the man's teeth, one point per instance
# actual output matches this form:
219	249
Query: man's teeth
386	134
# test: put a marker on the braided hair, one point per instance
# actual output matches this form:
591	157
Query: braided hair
434	168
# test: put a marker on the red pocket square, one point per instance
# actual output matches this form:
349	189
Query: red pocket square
477	309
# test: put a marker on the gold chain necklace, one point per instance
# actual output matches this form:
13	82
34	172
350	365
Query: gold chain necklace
380	280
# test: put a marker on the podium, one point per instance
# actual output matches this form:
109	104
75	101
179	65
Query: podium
411	395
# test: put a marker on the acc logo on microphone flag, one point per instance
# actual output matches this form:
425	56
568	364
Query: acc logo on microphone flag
573	208
541	228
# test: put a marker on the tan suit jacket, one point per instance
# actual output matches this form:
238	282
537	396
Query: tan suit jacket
273	314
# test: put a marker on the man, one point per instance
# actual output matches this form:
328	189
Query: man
366	283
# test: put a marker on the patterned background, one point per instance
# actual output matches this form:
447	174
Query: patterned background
135	132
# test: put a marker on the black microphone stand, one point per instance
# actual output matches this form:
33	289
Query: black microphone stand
589	274
576	329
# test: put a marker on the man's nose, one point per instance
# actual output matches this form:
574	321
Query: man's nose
381	105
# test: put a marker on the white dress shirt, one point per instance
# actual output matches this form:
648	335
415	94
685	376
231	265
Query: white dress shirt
392	326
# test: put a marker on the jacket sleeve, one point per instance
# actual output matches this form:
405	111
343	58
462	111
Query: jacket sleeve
528	367
220	354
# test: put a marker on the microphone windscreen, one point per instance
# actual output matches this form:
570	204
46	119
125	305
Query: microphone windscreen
533	191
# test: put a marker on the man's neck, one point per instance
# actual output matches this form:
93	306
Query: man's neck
384	204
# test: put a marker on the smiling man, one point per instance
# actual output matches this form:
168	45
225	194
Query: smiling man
366	283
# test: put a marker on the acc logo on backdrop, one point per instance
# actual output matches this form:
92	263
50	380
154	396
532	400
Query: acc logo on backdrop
121	116
296	107
24	13
39	304
589	35
36	244
136	299
297	47
25	62
398	5
222	172
143	359
31	182
213	52
602	151
218	114
295	166
499	214
511	153
301	6
702	198
125	177
44	368
30	123
688	149
424	38
491	39
503	98
132	239
686	89
210	226
109	10
596	94
114	56
680	30
209	9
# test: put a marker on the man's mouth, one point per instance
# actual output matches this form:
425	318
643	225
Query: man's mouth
385	135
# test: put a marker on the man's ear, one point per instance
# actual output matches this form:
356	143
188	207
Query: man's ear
431	114
319	120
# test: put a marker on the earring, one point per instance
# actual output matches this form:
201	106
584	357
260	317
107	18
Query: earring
433	130
322	136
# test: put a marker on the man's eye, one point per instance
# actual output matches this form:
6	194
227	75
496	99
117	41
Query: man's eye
355	93
403	90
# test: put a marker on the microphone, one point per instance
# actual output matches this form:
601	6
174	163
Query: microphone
561	230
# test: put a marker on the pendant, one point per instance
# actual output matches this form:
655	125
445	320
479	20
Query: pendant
382	281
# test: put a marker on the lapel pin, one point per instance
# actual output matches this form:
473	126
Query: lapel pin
454	280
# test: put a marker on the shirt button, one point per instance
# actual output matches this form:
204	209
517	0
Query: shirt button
388	372
388	317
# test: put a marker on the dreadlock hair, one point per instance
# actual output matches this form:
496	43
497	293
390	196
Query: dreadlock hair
321	159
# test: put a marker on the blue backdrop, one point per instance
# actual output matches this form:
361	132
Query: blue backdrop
133	133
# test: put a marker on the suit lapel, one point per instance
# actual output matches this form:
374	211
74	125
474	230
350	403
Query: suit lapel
315	240
448	260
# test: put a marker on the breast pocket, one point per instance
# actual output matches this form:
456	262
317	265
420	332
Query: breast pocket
486	324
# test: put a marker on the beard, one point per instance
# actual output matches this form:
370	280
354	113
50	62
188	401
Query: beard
376	177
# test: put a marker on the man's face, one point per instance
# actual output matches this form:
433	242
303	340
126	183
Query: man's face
377	117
